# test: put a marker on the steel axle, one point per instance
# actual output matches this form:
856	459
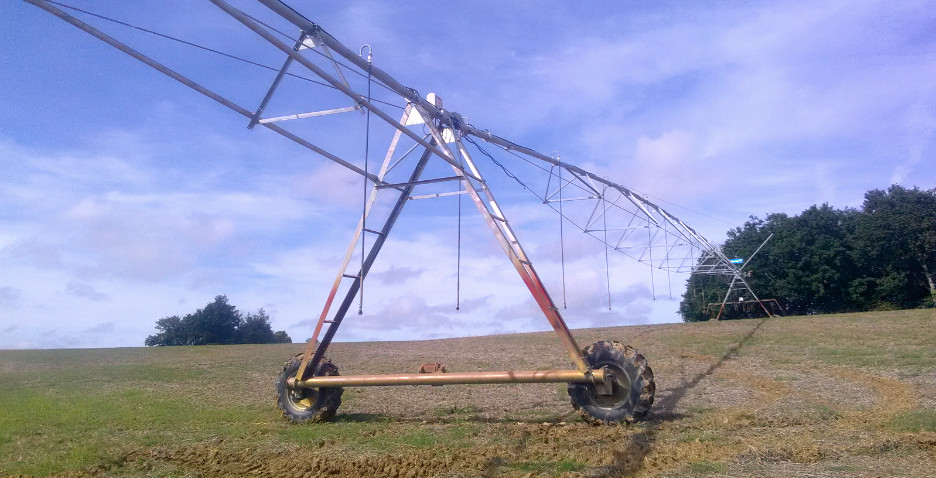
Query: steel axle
597	376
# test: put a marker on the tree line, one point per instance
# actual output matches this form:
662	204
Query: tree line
827	260
218	323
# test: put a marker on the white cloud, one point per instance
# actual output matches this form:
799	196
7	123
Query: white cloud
79	289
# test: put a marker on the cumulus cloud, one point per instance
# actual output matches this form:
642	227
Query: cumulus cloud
87	291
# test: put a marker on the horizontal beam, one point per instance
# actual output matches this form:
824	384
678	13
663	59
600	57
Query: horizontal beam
420	182
307	115
538	376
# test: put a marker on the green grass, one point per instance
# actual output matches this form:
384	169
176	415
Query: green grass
73	409
919	420
708	468
55	430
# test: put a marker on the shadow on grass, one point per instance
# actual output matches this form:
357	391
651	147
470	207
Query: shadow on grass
629	459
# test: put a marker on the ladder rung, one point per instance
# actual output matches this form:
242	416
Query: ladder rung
349	276
330	321
498	218
373	232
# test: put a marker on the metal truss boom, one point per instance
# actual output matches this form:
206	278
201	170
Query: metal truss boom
683	245
615	215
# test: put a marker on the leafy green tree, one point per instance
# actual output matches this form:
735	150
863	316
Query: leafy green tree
896	241
255	329
218	323
170	332
701	290
826	260
807	265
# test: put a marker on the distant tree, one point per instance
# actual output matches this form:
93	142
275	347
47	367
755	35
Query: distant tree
217	323
255	329
170	332
827	260
701	290
809	264
896	241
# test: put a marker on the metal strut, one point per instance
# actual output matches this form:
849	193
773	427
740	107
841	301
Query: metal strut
357	234
310	364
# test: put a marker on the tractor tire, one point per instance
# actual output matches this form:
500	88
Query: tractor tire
301	405
632	389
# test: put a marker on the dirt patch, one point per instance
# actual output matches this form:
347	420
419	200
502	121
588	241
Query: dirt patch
527	450
216	461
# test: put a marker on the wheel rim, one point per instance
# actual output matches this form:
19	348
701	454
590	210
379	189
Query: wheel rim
620	391
301	398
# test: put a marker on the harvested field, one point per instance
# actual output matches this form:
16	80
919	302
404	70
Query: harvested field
837	395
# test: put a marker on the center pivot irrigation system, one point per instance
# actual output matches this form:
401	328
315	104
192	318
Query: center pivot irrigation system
611	382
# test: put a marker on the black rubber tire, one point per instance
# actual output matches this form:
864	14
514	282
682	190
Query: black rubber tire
307	404
633	390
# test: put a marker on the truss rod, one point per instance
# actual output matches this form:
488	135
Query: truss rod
310	28
259	30
193	85
276	81
420	182
455	121
307	115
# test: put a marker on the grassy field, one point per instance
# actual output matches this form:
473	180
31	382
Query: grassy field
838	395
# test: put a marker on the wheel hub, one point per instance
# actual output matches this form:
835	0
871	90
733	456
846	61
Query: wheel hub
616	388
302	397
606	386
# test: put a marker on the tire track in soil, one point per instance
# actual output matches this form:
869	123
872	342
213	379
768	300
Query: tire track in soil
212	461
526	443
894	396
645	455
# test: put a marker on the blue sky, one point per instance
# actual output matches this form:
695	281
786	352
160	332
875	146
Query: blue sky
125	197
